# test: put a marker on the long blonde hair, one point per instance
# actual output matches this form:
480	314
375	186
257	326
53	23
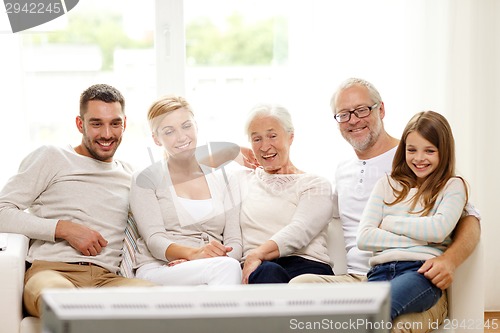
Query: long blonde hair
434	128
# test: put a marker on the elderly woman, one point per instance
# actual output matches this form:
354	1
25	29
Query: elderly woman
285	211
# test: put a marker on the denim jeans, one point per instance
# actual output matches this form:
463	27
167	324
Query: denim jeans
410	290
282	270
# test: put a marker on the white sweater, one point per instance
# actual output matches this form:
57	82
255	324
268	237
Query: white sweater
292	210
355	180
58	184
395	234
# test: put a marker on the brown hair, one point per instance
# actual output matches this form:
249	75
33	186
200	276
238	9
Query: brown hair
100	92
434	128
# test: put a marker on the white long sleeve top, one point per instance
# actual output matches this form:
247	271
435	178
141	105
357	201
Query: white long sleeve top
394	233
292	210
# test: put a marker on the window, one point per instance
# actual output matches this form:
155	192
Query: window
295	53
224	56
46	69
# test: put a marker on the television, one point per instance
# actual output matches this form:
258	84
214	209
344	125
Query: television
342	307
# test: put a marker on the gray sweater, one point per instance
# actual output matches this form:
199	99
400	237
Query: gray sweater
58	184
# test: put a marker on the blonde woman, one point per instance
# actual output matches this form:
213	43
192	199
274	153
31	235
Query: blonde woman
186	212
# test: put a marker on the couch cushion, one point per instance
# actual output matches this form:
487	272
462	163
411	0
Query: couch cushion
129	248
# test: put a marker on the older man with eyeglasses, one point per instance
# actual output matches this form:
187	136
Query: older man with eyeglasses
359	110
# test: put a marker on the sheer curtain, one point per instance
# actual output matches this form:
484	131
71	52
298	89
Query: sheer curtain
459	76
473	84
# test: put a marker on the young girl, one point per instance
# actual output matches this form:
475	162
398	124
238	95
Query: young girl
411	214
186	215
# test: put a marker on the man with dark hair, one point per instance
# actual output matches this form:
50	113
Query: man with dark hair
73	204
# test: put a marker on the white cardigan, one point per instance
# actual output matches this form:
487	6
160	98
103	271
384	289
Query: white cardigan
292	210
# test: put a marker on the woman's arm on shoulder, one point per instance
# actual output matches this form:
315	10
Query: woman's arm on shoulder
216	154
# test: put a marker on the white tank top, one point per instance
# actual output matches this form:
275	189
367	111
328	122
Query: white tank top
198	209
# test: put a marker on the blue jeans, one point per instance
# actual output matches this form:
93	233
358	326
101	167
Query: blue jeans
410	290
282	270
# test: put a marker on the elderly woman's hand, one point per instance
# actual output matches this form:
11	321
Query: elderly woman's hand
251	263
267	251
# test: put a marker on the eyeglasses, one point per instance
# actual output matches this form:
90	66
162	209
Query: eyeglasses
361	112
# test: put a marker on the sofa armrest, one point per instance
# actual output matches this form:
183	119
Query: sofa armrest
12	266
466	295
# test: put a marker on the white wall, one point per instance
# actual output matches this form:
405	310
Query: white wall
13	127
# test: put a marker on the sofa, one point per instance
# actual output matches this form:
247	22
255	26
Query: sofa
465	296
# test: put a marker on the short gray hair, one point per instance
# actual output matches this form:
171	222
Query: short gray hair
276	111
372	91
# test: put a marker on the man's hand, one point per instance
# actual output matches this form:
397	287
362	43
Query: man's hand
439	271
89	242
